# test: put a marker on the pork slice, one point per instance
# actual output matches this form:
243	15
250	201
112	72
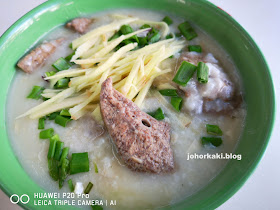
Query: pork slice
79	24
38	56
218	95
142	142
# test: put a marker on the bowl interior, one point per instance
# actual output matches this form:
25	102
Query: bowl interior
258	87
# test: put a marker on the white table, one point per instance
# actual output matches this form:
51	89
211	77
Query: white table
261	19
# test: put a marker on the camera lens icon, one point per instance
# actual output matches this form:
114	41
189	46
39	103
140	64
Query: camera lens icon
15	199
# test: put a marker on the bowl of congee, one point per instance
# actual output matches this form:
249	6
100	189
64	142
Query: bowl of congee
130	105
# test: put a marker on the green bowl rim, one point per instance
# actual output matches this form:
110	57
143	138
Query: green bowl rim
43	6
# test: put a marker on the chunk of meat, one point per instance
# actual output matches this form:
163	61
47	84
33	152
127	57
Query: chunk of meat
217	95
38	56
79	24
142	141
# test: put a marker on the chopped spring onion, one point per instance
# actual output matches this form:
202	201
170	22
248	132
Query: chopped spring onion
88	188
202	72
58	150
71	186
52	148
53	169
64	170
79	163
176	102
158	114
145	26
64	154
46	134
56	137
68	57
61	64
96	207
60	120
168	20
126	29
214	130
53	115
168	92
142	41
65	112
95	168
187	30
184	73
169	36
50	73
195	48
62	83
41	123
153	36
215	141
36	92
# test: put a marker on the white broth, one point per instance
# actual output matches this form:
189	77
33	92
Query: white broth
114	181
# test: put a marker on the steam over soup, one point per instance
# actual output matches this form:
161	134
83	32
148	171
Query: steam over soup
116	105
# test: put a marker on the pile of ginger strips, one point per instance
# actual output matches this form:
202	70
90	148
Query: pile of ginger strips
132	69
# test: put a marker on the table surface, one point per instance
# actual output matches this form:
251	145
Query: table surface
261	20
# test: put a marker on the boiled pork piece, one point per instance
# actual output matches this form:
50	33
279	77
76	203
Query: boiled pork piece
79	24
38	56
142	142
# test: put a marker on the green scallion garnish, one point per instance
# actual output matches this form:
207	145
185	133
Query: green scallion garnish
58	150
158	114
184	73
71	186
64	170
52	148
153	36
176	102
53	169
95	168
169	36
61	64
41	123
126	29
53	115
214	130
202	72
168	20
69	57
60	120
56	137
46	134
62	83
79	163
195	48
168	92
145	26
65	112
36	92
64	154
88	188
187	30
215	141
50	73
142	41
